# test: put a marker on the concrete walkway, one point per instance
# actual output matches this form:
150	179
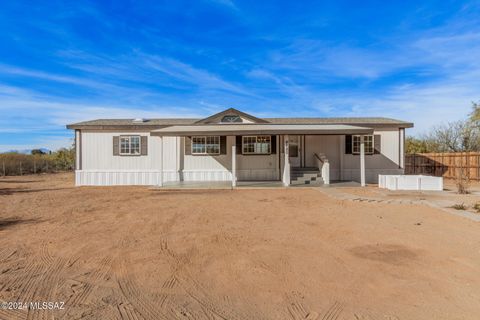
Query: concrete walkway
222	185
445	206
250	185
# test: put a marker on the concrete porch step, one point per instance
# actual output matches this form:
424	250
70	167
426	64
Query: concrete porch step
304	169
318	181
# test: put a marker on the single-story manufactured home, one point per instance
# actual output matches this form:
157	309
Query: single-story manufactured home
236	146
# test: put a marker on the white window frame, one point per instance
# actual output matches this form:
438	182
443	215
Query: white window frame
205	145
358	141
256	141
129	141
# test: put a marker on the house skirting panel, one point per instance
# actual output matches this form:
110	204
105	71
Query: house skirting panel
154	177
117	177
258	175
205	175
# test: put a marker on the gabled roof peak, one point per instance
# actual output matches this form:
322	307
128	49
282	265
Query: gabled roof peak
228	116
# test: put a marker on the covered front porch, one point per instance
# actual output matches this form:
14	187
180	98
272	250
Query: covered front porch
295	156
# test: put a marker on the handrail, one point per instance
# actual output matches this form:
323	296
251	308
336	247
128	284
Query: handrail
322	158
323	166
318	158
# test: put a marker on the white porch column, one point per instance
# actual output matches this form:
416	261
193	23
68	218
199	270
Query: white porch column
78	154
234	166
362	160
401	162
286	163
341	148
160	178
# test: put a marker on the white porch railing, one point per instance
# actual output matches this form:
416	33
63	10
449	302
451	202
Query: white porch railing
324	167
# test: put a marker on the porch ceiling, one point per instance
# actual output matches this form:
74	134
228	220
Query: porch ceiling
258	129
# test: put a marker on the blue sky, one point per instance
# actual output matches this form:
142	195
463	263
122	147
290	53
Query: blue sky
63	62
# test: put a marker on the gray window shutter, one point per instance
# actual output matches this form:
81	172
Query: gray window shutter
223	145
377	140
188	145
238	143
273	140
348	144
144	145
116	145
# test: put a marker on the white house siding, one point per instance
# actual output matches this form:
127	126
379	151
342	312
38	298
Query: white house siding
328	145
257	167
219	167
209	168
100	167
347	166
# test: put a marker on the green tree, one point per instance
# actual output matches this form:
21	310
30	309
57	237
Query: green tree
64	158
416	145
475	115
37	151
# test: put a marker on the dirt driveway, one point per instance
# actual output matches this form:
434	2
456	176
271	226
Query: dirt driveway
138	253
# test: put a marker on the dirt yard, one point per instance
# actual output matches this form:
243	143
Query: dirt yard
139	253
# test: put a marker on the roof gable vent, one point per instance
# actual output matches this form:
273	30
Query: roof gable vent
231	119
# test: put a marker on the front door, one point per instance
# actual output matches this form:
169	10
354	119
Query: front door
294	150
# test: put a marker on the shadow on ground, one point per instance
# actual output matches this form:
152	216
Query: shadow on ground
11	191
6	223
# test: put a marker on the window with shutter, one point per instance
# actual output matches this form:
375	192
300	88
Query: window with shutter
348	144
206	145
368	142
377	140
129	145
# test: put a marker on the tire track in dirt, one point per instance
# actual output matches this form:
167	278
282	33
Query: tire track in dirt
6	254
334	311
45	290
28	282
227	243
297	309
293	307
135	296
14	282
45	256
91	283
12	314
194	290
128	313
369	316
167	286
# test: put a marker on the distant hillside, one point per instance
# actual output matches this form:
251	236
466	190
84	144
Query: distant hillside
29	151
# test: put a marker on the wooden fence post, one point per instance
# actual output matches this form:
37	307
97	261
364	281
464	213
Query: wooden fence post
21	168
4	172
414	163
34	166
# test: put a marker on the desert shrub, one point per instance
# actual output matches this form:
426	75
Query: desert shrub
476	207
14	163
459	206
462	181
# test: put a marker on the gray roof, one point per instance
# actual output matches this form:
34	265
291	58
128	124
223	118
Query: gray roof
159	123
342	120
